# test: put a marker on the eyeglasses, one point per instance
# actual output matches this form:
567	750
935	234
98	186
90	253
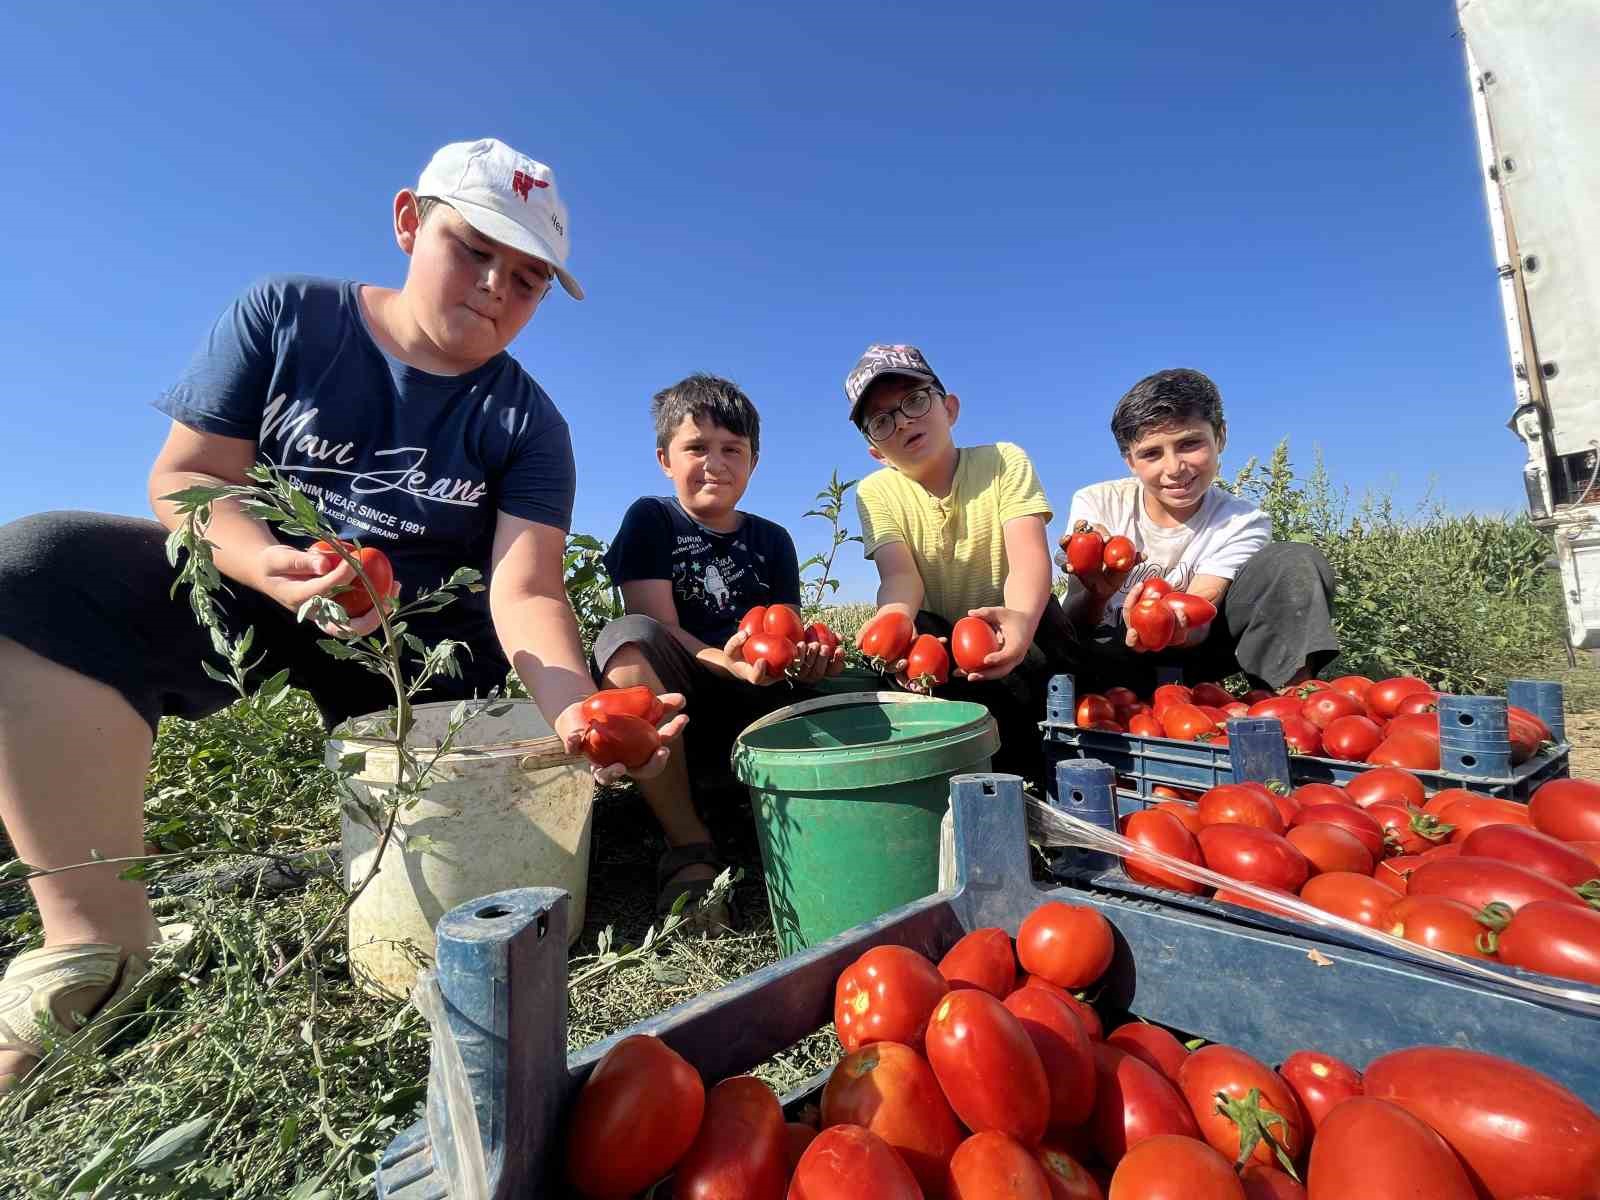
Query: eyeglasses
880	427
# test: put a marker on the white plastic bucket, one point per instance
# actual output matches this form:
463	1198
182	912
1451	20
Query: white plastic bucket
506	807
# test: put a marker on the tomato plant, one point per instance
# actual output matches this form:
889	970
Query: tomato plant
1254	855
1119	555
886	638
741	1151
1241	1127
637	701
927	663
847	1162
982	959
1133	1101
971	641
987	1066
618	738
1529	848
1354	896
642	1094
1166	834
1068	944
886	995
1568	809
1484	1107
1320	1082
1235	804
1330	847
356	600
1065	1052
1556	938
1361	1133
891	1090
1384	696
1172	1167
1385	783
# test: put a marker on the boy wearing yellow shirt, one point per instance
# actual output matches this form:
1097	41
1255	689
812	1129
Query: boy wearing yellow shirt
959	531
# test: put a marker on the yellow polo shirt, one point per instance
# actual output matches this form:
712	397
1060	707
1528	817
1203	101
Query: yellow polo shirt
958	542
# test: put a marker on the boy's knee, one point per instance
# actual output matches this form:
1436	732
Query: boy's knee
1296	565
619	654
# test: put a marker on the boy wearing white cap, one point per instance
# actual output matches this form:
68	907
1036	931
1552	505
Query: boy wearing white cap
397	410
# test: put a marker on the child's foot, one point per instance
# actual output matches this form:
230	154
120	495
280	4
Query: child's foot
691	869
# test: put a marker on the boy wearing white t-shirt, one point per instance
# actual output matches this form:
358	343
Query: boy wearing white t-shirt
1273	619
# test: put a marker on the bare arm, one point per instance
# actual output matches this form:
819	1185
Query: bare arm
899	581
1026	591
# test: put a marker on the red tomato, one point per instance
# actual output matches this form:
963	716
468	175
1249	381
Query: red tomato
846	1162
886	638
1236	708
1527	736
1185	722
643	1095
1481	881
1153	589
1064	1049
1556	938
1066	1176
1324	708
1361	1134
1529	848
1353	685
928	664
357	599
1532	718
982	959
995	1166
1092	708
1351	738
1301	736
1170	1167
1321	793
1254	855
1384	697
1439	922
1278	707
886	995
1169	694
1347	817
1354	896
741	1151
754	621
1469	813
1395	873
1385	783
1085	551
619	738
1409	830
1122	698
1087	1017
1423	725
1417	702
1145	725
971	641
1132	1102
1320	1083
1590	849
987	1066
1212	694
1568	809
1168	792
1407	750
1153	623
1068	944
1119	555
798	1137
1288	807
637	701
1267	1183
1212	1072
1150	1044
1329	847
890	1090
822	635
1235	804
1197	609
1490	1110
782	621
1164	833
777	652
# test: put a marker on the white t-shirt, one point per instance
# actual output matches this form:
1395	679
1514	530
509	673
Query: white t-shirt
1223	535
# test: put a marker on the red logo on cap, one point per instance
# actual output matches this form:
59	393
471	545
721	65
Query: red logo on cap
521	184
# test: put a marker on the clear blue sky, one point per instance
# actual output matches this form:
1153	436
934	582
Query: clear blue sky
1052	200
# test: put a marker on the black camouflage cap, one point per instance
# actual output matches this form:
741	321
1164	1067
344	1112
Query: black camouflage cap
881	359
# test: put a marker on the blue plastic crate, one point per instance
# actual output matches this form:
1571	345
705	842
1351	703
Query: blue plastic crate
1474	750
502	971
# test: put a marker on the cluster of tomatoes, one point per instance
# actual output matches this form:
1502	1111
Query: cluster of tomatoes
1456	871
972	1078
620	726
890	638
1392	722
776	636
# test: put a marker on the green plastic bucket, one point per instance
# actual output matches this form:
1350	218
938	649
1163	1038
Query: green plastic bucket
848	792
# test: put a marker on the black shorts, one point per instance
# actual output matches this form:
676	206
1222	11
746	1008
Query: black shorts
94	593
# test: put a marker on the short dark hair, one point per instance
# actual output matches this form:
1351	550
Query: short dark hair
425	205
1163	399
705	398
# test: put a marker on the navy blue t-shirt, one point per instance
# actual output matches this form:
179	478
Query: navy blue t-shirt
716	577
414	463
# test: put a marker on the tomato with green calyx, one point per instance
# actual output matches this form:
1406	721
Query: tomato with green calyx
1440	923
357	599
1320	1083
927	663
1085	550
987	1066
1236	804
1120	554
847	1162
990	1165
1186	722
1491	1111
890	1090
1373	1150
1153	623
1064	1049
1568	809
1555	938
1408	829
778	653
1254	856
1301	736
971	641
1152	1045
1171	1167
1529	848
1330	848
1385	784
886	638
1351	738
982	959
1245	1110
886	995
1132	1102
613	738
638	701
741	1151
1355	896
642	1095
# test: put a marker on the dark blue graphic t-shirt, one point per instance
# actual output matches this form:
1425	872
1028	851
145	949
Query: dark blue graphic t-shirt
716	577
414	463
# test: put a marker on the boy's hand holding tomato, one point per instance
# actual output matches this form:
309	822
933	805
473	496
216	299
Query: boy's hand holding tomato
1012	634
292	576
572	727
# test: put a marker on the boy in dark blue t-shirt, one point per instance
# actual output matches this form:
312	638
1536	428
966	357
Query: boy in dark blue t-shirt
690	566
397	410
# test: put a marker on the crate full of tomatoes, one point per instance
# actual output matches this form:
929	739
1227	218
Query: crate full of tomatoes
1332	730
1004	1039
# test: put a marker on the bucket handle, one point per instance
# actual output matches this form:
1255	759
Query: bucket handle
823	703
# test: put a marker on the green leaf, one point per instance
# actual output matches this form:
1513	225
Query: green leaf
353	763
287	1130
174	1148
421	844
96	1169
213	673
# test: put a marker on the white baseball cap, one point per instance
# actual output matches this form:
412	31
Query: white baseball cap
505	196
